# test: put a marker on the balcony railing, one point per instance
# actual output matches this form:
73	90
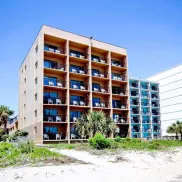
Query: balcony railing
156	130
119	91
61	67
144	87
133	85
80	71
74	119
54	83
145	96
55	136
156	121
134	112
120	120
135	121
154	89
80	55
154	97
54	100
99	59
55	118
146	121
78	86
119	78
118	63
155	113
135	130
54	49
119	106
155	105
79	102
101	75
134	94
147	130
101	89
145	104
101	104
134	103
145	112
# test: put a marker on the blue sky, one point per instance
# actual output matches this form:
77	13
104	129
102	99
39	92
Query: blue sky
151	30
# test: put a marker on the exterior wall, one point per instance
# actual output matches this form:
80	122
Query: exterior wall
171	96
143	124
66	41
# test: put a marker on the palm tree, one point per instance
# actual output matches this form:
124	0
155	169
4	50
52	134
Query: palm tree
179	124
5	113
94	122
173	129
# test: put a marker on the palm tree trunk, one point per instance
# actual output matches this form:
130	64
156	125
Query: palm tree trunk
176	136
5	127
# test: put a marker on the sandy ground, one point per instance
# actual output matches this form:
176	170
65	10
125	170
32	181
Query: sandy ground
123	167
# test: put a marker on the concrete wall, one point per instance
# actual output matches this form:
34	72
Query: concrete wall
171	95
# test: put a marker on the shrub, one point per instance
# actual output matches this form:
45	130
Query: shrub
118	139
99	142
113	144
27	147
4	138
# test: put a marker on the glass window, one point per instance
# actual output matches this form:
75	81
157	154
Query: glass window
77	68
36	64
116	103
114	75
78	83
36	49
36	81
76	114
51	79
35	96
35	113
95	72
50	64
77	53
50	112
95	101
93	57
47	47
95	85
51	129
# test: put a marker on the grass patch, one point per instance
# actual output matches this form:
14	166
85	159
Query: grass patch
117	145
26	153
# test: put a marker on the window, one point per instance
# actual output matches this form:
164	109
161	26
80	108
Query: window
25	93
47	80
116	76
25	67
76	68
36	81
95	86
116	90
24	119
96	101
50	48
116	103
95	72
24	106
78	54
52	95
35	130
25	80
51	129
36	49
94	58
35	96
22	70
73	114
35	113
77	83
36	64
50	64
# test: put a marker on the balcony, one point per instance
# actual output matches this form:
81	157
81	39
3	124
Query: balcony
134	112
156	121
119	78
117	63
100	89
55	118
134	94
100	75
99	61
54	83
120	120
155	113
154	97
135	121
145	113
78	86
101	104
54	101
145	104
119	105
156	130
155	105
52	67
135	129
146	130
79	71
81	57
119	91
54	51
154	88
79	102
145	96
133	85
134	103
144	87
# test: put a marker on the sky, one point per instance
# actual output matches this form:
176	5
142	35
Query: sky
150	30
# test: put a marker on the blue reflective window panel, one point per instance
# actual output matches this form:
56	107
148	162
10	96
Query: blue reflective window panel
96	100
95	71
95	85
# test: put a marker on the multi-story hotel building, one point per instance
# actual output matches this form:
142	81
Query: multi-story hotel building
170	96
144	109
65	75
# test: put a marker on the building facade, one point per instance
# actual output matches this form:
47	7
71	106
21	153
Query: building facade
144	109
170	96
65	75
12	125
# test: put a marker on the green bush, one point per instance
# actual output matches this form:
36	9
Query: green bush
118	139
27	147
99	142
4	138
113	144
